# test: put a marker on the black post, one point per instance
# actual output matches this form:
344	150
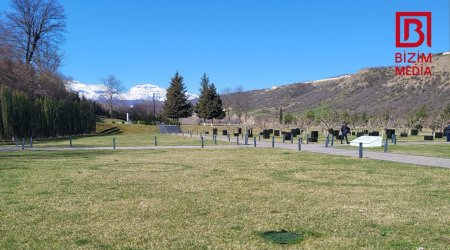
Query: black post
292	138
386	145
273	141
31	142
254	141
237	140
156	141
299	144
395	139
215	139
23	144
114	143
360	150
203	143
70	141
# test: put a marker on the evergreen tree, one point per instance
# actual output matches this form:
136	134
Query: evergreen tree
177	104
281	115
203	107
217	111
7	111
209	105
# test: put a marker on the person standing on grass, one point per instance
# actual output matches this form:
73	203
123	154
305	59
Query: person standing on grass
447	131
345	129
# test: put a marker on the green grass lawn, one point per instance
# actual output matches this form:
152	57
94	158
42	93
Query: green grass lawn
125	135
198	199
129	139
430	149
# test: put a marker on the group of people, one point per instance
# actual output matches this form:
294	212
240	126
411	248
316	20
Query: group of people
345	130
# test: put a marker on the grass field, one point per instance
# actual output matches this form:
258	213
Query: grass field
198	199
125	135
429	149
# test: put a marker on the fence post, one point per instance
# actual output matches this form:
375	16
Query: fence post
215	139
360	150
254	141
395	139
156	141
292	138
70	141
273	141
114	143
299	144
237	140
203	143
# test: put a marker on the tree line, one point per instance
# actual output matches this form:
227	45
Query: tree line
22	116
34	100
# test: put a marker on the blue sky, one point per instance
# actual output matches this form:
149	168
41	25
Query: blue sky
252	43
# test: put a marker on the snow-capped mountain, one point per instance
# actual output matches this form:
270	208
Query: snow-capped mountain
138	92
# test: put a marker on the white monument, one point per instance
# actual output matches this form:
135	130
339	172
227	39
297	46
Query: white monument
368	141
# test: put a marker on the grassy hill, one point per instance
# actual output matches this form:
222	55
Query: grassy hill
372	90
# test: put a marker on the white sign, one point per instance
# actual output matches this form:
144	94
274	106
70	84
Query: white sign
368	141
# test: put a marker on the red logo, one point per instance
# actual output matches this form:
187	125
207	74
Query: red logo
409	19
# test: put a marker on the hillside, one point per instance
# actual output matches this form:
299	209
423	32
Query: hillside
372	90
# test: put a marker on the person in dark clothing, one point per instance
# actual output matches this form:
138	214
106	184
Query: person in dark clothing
345	129
447	131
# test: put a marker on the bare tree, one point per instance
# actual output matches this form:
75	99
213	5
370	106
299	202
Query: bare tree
37	28
113	86
240	103
227	102
328	119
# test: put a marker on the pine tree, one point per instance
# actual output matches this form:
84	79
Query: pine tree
209	105
203	108
216	108
177	105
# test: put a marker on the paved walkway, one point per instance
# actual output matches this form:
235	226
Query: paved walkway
320	148
315	148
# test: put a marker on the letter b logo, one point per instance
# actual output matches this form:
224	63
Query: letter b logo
410	21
